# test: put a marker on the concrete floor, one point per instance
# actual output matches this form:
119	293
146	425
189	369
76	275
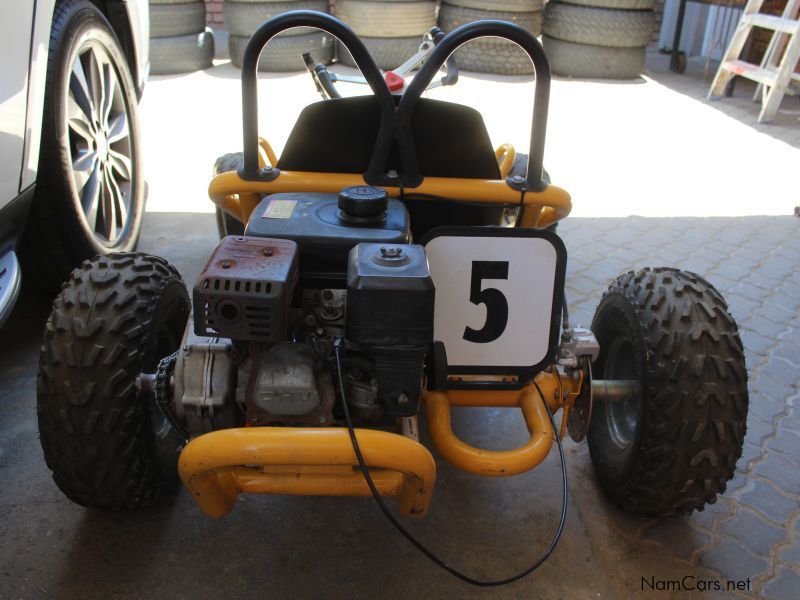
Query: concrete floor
343	548
652	147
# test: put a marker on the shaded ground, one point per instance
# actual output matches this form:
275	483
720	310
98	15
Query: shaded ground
342	548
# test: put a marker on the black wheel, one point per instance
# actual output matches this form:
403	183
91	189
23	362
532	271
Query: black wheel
90	190
673	448
115	318
226	224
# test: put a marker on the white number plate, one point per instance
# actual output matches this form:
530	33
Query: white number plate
497	295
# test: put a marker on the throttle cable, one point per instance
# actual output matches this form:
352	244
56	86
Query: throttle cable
338	345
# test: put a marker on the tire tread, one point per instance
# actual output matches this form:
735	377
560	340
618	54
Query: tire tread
695	393
99	337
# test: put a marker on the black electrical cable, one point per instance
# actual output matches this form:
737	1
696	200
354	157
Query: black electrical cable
409	536
565	313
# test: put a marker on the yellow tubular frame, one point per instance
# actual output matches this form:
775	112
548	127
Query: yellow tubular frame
216	467
505	155
239	197
507	462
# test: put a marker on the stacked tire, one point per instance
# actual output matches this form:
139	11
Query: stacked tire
492	55
285	51
179	39
392	30
602	39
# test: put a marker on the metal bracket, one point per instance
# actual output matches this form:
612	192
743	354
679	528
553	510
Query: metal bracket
576	343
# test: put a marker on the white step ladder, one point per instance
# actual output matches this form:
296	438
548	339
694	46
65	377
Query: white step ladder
774	78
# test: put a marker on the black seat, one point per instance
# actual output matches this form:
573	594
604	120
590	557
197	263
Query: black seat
338	136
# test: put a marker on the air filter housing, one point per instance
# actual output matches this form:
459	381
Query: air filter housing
243	292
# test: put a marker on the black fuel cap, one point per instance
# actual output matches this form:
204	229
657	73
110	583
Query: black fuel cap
363	201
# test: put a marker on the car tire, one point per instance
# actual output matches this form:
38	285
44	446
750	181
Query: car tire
285	53
394	19
171	20
599	26
672	448
90	190
116	317
388	53
243	18
616	4
521	6
487	55
182	54
568	59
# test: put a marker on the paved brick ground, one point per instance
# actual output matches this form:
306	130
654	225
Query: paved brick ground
754	529
342	548
301	547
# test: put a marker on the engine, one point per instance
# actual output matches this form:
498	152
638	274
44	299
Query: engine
269	306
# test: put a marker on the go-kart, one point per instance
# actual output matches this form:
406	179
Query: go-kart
378	277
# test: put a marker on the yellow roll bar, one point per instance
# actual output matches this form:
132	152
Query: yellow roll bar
216	467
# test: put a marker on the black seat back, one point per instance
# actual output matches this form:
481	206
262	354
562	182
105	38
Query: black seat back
450	140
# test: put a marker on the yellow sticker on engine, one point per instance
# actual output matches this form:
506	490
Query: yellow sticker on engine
280	209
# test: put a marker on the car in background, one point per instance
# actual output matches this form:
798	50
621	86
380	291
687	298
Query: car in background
71	182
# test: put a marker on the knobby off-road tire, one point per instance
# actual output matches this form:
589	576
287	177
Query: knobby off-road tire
116	317
599	26
226	224
490	55
569	59
673	449
74	192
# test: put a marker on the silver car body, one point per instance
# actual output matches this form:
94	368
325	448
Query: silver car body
25	28
24	44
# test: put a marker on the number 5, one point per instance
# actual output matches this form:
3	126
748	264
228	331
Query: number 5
495	301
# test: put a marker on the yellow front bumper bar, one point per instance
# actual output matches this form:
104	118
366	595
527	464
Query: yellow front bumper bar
491	463
218	466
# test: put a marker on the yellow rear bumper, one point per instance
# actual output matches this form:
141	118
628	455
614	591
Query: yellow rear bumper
218	466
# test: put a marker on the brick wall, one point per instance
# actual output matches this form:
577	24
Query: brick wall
214	14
